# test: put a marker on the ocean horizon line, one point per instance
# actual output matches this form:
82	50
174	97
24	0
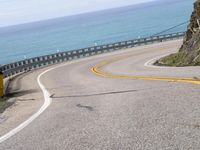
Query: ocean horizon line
101	27
74	16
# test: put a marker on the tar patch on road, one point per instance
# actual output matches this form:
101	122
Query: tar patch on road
86	107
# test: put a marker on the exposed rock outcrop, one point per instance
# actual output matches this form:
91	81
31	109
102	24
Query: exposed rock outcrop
189	53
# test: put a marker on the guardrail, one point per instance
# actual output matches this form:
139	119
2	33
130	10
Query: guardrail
38	62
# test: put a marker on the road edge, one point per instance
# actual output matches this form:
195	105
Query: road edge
46	104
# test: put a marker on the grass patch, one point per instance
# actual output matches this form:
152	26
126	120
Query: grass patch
179	59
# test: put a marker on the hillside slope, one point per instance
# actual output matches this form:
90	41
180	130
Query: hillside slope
189	53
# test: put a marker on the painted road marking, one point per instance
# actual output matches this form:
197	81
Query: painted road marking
152	61
96	70
47	102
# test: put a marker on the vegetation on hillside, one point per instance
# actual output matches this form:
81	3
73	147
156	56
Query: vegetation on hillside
189	53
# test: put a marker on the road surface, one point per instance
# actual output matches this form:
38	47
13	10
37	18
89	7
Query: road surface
90	111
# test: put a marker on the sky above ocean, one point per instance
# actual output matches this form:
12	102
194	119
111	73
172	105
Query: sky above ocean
88	29
14	12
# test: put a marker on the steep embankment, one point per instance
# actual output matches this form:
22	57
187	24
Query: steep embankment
189	53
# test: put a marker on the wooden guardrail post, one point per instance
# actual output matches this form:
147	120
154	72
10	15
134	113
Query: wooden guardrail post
1	85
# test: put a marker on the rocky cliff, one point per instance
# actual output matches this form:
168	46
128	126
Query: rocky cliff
189	53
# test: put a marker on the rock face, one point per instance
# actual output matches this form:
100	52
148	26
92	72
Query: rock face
189	53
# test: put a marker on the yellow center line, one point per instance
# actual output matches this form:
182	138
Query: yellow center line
96	70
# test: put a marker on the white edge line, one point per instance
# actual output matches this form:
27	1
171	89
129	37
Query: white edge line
47	102
150	62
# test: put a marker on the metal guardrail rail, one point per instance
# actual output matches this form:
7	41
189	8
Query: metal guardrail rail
38	62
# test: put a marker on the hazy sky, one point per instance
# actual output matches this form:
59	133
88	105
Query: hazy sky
21	11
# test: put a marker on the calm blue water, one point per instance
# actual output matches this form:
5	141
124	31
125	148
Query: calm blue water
103	27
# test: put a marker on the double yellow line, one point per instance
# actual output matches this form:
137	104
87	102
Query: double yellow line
97	70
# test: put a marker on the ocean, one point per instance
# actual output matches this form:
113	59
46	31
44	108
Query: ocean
68	33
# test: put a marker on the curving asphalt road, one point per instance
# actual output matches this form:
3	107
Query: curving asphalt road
90	111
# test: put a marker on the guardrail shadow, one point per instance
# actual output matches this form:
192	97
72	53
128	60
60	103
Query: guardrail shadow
20	93
90	95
